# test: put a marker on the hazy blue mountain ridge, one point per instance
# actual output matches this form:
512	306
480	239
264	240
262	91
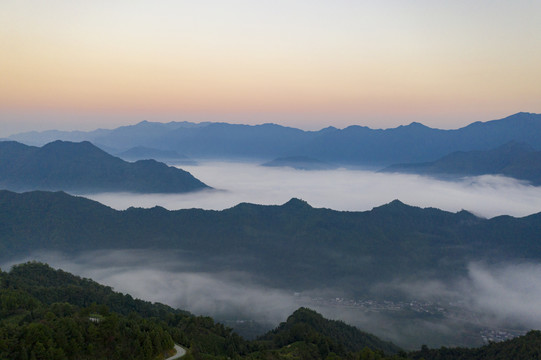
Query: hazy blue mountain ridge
300	163
145	153
517	160
354	145
84	168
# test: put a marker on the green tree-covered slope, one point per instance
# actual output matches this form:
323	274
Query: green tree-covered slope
51	314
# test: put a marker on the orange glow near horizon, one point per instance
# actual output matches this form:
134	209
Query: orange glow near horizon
350	60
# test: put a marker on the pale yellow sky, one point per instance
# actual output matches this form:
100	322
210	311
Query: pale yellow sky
310	64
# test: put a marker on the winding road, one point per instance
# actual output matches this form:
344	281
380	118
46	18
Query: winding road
180	353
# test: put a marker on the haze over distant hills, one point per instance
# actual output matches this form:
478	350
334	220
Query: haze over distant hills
144	153
354	145
513	159
300	163
84	168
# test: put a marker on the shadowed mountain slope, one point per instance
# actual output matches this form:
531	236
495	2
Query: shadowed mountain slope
513	159
292	246
84	168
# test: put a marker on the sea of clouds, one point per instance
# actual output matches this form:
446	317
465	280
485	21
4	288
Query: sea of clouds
504	295
341	189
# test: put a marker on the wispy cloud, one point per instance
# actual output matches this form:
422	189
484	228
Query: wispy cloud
172	278
500	295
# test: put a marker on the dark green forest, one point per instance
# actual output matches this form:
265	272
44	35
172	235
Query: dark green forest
51	314
293	246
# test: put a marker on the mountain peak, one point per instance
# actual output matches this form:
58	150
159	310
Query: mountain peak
396	203
413	125
63	144
297	203
59	143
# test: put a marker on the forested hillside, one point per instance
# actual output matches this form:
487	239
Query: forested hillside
329	335
51	314
291	246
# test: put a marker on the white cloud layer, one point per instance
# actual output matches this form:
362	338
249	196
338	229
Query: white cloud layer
342	189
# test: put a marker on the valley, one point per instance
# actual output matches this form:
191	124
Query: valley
413	258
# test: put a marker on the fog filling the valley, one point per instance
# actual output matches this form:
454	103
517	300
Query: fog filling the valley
489	296
342	189
504	296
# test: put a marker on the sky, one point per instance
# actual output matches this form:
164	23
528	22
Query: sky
304	63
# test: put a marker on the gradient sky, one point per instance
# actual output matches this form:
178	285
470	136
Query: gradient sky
305	63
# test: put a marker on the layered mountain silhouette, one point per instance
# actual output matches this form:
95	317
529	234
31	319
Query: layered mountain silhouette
517	160
291	246
354	145
84	168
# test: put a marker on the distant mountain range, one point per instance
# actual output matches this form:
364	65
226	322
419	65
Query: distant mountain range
352	146
300	163
291	246
84	168
517	160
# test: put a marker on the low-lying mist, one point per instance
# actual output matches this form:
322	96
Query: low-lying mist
507	296
503	295
174	279
341	189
